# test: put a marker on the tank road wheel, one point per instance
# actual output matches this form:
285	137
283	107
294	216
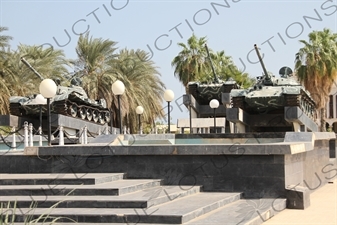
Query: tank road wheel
107	117
95	116
73	110
101	118
89	114
82	113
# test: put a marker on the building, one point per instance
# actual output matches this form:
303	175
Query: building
331	109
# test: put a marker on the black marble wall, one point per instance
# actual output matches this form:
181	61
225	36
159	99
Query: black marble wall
254	175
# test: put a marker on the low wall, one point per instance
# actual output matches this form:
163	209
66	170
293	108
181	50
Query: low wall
257	170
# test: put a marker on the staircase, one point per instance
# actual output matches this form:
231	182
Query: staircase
110	198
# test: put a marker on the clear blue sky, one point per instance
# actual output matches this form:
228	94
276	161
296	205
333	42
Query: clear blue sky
234	26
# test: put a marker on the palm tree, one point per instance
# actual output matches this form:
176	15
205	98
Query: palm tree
4	71
100	67
225	69
4	97
18	80
94	55
48	62
4	39
142	87
316	65
51	63
190	63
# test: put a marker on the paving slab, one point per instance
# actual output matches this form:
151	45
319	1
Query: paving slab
322	210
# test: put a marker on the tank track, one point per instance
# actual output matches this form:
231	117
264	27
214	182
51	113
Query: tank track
15	109
68	108
303	101
83	112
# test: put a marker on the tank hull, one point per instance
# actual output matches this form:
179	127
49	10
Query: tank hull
273	99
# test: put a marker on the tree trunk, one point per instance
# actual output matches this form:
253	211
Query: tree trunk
186	89
323	127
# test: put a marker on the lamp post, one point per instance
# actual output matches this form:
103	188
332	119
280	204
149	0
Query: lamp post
40	100
190	112
139	111
118	89
168	96
214	104
48	90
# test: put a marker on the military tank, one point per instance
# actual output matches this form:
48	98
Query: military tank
205	92
70	101
270	94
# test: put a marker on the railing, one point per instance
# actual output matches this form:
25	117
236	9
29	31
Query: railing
28	136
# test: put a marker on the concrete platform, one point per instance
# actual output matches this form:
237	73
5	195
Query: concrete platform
262	169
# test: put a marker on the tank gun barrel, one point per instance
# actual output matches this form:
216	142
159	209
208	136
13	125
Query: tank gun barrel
267	76
31	68
216	79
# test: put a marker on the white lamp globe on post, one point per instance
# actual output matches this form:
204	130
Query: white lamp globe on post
168	96
118	89
48	90
139	111
214	104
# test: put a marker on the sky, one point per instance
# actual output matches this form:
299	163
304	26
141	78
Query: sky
158	26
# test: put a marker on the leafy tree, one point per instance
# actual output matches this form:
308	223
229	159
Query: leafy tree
316	65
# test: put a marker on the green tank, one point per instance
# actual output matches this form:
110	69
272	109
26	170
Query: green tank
270	94
71	101
205	92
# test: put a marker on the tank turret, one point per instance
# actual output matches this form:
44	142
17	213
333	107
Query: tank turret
70	101
205	92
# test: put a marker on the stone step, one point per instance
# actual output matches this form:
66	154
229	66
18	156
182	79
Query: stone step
66	178
140	199
177	211
118	187
244	211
